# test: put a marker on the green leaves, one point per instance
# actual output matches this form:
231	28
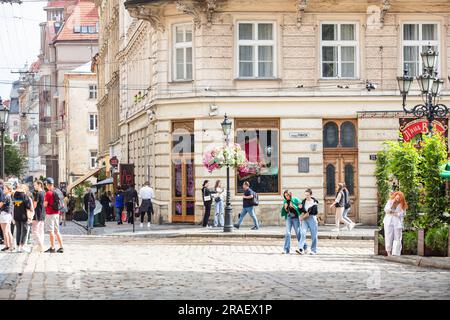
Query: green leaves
14	161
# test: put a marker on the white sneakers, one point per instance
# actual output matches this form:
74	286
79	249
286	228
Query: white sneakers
141	225
148	224
351	226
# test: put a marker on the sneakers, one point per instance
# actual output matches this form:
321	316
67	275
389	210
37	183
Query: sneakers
300	251
60	250
141	225
307	251
5	249
236	226
255	228
351	226
312	253
285	252
50	250
148	224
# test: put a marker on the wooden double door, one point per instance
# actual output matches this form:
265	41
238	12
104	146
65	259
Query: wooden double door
183	203
340	159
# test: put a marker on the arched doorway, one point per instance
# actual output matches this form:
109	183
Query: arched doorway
340	163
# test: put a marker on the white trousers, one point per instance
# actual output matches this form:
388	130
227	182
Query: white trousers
392	234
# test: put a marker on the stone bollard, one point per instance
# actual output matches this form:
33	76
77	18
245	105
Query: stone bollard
421	242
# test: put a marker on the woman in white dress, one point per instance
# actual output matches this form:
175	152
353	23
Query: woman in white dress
395	210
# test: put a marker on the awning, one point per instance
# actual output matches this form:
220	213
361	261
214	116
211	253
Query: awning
104	182
82	179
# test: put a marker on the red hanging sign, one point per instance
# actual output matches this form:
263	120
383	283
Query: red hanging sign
412	127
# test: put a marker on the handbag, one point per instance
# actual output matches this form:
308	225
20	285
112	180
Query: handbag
124	216
206	198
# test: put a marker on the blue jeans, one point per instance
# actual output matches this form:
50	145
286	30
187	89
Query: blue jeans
292	222
311	224
344	215
219	214
91	218
252	213
119	211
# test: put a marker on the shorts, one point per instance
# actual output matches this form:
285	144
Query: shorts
52	223
5	217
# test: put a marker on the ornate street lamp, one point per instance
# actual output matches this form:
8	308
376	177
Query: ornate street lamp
228	227
430	86
4	113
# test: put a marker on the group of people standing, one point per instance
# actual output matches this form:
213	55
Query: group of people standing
22	211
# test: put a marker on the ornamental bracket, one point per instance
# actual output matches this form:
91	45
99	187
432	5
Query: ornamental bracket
152	15
210	8
384	9
192	8
301	7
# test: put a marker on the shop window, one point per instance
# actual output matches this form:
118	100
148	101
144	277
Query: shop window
260	141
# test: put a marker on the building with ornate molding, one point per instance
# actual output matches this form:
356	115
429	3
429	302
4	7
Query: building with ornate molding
310	87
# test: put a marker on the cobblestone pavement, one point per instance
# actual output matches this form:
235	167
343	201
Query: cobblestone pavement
134	268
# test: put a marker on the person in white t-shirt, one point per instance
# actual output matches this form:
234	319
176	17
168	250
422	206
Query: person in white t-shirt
146	195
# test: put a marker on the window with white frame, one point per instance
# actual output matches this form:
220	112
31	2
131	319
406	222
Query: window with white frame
256	49
339	50
93	160
182	52
93	122
93	91
416	39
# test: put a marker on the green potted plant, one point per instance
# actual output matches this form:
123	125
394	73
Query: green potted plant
409	242
436	241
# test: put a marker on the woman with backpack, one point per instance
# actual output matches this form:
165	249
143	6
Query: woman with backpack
291	212
23	215
6	217
347	207
339	204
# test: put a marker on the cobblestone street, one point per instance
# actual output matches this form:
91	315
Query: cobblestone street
103	267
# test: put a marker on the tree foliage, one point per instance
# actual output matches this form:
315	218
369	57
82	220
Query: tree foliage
14	161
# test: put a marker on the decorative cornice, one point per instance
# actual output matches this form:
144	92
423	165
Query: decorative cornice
153	15
192	8
211	6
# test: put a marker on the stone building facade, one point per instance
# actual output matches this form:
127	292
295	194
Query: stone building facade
297	78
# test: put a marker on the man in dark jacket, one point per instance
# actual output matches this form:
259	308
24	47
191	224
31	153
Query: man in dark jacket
130	200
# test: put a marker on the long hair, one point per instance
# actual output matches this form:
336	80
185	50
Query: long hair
341	187
401	195
217	184
287	192
204	183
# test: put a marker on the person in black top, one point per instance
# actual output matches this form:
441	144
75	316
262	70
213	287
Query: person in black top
105	202
131	200
6	210
207	201
39	215
22	205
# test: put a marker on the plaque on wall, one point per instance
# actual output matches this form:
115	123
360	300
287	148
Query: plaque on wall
303	165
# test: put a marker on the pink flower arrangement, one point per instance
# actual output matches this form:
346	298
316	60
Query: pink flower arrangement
231	155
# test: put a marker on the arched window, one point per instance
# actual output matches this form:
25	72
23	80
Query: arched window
330	135
331	181
348	135
350	178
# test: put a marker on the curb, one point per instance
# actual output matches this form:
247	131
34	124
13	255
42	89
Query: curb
424	262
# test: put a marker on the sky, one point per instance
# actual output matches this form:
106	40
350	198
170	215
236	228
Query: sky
19	39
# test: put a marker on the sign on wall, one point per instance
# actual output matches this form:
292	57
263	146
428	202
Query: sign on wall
126	174
303	165
412	127
299	135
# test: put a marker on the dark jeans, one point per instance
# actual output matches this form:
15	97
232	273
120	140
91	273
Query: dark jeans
119	214
130	212
146	207
21	232
207	212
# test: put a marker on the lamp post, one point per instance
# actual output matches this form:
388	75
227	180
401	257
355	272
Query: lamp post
430	87
4	113
228	227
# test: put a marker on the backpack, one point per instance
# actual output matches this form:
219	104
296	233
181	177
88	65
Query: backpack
255	199
347	204
58	202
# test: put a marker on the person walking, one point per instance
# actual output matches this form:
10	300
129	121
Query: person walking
347	207
395	211
207	202
53	205
291	212
22	216
6	217
2	200
308	220
119	205
248	206
131	200
39	216
146	195
89	207
219	199
111	215
339	203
